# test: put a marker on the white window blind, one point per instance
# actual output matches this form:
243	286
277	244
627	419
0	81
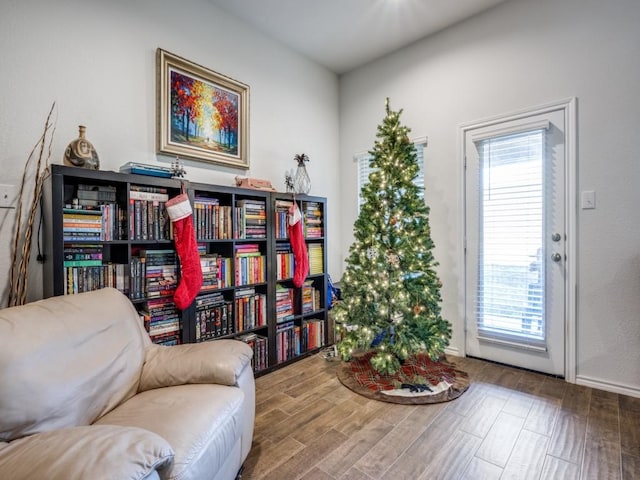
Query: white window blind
511	268
364	169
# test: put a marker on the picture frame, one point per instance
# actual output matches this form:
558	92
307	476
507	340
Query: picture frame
201	114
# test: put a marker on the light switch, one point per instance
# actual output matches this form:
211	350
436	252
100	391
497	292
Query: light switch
588	199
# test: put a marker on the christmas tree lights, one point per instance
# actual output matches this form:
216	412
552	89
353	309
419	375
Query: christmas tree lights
391	292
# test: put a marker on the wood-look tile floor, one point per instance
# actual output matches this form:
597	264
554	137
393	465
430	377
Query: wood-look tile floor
510	424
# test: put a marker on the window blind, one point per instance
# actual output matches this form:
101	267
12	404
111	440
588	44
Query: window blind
364	169
510	297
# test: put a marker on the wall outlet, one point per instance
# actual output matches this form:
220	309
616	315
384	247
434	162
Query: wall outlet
8	196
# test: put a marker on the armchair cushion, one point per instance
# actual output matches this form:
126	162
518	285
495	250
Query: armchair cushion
68	360
100	451
219	362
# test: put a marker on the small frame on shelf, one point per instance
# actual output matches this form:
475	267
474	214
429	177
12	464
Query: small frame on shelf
201	114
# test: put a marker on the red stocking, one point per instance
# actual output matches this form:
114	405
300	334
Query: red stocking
298	246
180	213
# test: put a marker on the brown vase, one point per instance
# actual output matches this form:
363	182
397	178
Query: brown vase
80	152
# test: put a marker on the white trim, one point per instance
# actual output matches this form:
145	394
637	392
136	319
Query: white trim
512	343
453	351
424	141
571	193
607	386
504	131
569	106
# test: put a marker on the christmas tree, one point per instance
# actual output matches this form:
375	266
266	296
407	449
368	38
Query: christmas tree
391	292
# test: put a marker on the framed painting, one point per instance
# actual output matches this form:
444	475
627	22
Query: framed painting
202	115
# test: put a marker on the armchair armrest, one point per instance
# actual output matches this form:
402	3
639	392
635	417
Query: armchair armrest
94	451
219	362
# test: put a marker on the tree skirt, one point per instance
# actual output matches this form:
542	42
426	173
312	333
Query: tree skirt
420	380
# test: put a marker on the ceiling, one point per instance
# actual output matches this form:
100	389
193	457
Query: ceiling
345	34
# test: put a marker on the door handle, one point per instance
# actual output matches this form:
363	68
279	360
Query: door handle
556	257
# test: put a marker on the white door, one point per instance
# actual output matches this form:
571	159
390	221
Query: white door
516	236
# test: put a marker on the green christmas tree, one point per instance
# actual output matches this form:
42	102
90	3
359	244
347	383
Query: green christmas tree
391	292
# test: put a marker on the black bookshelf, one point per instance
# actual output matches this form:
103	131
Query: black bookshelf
236	231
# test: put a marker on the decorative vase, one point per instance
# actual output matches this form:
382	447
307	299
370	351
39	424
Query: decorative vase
301	181
80	152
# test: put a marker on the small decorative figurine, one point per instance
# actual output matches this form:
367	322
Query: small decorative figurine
177	168
80	152
288	181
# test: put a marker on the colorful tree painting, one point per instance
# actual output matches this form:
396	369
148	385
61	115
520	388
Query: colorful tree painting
203	115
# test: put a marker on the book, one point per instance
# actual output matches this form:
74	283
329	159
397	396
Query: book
143	169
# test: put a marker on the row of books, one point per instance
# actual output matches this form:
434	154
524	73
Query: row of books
251	265
285	261
161	320
212	221
316	258
148	218
281	218
153	273
293	340
214	316
250	309
313	332
310	298
259	345
87	278
287	341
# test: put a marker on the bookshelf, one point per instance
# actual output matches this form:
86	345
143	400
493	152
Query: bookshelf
300	325
111	229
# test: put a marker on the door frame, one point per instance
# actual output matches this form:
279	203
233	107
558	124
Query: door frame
569	106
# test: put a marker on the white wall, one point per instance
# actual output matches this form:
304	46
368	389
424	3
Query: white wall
518	55
96	60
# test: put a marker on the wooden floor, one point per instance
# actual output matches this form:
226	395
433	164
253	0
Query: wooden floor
510	424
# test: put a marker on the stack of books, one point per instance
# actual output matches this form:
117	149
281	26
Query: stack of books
312	220
142	169
284	303
216	271
82	224
251	219
161	320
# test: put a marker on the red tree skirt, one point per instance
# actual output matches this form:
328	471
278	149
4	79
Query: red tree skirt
417	373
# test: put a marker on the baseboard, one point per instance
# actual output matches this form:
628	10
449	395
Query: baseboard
607	386
452	351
